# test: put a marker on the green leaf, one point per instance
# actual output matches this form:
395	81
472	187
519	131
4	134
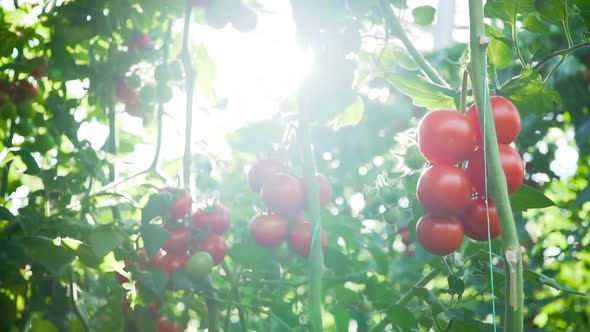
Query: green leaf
526	198
499	51
351	116
103	239
462	321
530	95
456	285
29	161
531	275
402	317
341	317
157	204
156	280
422	93
533	24
423	15
45	252
5	214
435	305
508	9
551	10
38	324
154	237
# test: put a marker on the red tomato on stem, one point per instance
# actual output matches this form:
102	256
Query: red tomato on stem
283	193
164	324
512	164
475	220
325	189
262	170
176	243
215	246
439	236
446	137
300	238
444	190
506	120
269	229
217	218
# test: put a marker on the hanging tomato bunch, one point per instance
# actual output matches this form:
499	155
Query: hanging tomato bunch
285	196
194	246
453	197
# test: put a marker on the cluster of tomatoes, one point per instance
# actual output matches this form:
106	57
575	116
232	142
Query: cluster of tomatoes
453	197
285	196
194	246
22	90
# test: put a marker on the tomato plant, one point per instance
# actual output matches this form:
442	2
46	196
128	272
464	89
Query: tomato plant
268	229
446	137
444	190
512	164
440	236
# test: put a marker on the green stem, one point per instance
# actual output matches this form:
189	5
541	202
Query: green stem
398	30
73	302
514	296
566	25
190	84
463	105
406	298
112	148
236	294
517	46
316	257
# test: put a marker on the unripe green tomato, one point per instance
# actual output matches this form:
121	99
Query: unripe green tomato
8	111
147	94
164	93
24	127
414	158
392	216
199	265
162	74
134	81
389	194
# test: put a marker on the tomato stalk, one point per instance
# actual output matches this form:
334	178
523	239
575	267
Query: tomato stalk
316	257
189	74
233	278
497	186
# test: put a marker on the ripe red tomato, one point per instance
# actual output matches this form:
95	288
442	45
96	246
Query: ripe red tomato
506	120
475	220
164	324
216	218
269	229
444	191
439	236
404	232
262	170
511	163
121	279
176	243
446	137
215	246
171	263
181	207
23	91
283	193
300	238
157	258
325	189
142	42
125	306
125	94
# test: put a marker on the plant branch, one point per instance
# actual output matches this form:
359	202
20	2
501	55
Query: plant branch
73	303
316	257
397	29
463	105
233	278
212	308
523	63
406	298
190	84
498	187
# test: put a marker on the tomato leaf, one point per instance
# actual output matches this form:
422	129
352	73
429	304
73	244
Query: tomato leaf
526	198
158	203
5	214
499	50
424	15
531	275
551	10
422	93
29	161
402	317
462	321
156	280
351	116
508	9
45	252
154	237
435	305
530	95
533	24
456	285
103	239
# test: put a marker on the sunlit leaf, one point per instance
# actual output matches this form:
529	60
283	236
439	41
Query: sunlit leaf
351	116
424	15
531	275
526	198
